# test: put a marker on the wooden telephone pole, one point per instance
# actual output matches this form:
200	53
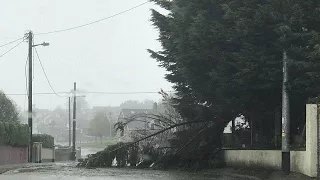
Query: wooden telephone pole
74	122
30	39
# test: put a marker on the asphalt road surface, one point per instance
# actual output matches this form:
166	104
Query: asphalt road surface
68	171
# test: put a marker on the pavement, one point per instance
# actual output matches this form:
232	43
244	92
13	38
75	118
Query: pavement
265	174
224	173
10	167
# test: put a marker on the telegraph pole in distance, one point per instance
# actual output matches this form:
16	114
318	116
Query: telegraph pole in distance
74	122
30	39
110	125
285	118
70	134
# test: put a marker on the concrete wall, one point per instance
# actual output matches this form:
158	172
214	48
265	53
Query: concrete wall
63	153
13	155
47	155
270	159
253	158
304	162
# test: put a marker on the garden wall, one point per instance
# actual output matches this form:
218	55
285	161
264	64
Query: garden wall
13	155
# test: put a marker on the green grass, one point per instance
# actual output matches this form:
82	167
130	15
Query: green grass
98	144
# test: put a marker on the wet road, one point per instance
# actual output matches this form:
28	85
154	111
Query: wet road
63	171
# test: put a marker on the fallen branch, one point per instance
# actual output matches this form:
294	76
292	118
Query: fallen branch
161	131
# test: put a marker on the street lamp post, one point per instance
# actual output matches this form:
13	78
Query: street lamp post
31	45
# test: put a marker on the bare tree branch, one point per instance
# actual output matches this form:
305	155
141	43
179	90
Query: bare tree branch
166	129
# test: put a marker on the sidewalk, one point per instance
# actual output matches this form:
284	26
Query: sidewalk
264	174
10	167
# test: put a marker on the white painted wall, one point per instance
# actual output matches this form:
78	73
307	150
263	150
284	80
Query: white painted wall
253	158
304	162
269	159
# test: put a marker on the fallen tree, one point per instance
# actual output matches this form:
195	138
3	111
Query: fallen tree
195	157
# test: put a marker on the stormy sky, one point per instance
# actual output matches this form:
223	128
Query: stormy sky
109	56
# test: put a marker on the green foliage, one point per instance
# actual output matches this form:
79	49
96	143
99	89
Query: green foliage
14	134
100	125
47	140
224	57
2	133
8	110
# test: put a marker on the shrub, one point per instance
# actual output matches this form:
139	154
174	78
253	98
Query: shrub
47	140
14	134
2	133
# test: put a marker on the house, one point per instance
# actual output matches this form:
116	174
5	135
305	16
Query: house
139	121
138	118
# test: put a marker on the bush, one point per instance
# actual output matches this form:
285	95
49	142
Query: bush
47	140
14	134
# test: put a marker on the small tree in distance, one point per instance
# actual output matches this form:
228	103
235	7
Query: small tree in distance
99	125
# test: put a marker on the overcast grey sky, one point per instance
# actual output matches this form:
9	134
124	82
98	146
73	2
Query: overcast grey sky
109	56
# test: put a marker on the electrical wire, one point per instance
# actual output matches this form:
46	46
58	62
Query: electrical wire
11	49
93	22
100	93
11	42
45	74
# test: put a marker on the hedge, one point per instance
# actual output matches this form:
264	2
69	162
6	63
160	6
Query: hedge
14	134
47	140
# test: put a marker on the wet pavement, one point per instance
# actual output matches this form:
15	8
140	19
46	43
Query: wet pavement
68	171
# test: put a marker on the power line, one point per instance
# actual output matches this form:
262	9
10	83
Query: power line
11	49
111	93
80	26
45	74
93	22
11	42
100	93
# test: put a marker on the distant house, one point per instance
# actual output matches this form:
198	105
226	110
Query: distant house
140	117
113	112
138	120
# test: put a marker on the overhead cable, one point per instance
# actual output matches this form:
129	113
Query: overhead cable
11	49
45	74
11	42
93	22
100	93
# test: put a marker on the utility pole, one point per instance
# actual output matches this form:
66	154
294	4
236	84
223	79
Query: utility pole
285	118
110	125
70	134
74	122
31	45
30	39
